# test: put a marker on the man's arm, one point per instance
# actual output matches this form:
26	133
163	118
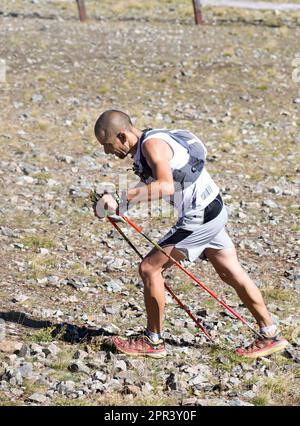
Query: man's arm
158	153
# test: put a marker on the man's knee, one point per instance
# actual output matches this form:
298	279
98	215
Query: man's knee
147	270
235	278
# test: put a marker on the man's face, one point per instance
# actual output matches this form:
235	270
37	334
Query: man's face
117	145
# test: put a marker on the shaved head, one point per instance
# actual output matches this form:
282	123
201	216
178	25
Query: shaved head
110	123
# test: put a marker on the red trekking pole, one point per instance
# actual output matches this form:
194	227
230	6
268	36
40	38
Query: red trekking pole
112	221
157	246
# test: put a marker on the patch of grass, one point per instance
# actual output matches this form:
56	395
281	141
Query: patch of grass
62	361
276	293
5	402
295	227
19	220
62	402
155	381
276	385
30	387
98	343
115	399
80	269
37	241
252	381
297	373
39	266
279	389
230	135
232	358
46	335
43	125
261	399
42	78
281	361
43	335
64	376
42	176
103	90
262	87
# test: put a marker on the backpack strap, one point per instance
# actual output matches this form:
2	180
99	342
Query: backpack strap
190	172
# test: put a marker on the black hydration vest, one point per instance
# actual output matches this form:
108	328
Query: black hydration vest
185	176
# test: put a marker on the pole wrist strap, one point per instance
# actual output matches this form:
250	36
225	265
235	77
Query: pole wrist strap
121	199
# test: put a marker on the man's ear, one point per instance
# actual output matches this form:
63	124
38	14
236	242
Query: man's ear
122	137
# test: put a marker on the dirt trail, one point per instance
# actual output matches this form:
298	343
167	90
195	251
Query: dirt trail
260	5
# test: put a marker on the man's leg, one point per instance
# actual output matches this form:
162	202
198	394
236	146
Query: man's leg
151	271
226	264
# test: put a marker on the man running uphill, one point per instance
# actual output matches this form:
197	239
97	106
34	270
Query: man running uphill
171	164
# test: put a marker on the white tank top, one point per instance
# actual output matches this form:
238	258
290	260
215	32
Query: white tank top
196	196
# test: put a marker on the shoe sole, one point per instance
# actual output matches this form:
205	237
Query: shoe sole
151	355
280	347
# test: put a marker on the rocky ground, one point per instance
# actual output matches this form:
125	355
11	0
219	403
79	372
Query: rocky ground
69	282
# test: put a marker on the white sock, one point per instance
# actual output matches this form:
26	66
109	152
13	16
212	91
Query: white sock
269	331
155	337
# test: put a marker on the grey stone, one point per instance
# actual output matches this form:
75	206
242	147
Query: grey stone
114	384
78	367
9	346
131	389
16	392
276	190
78	193
115	265
80	355
12	359
223	359
28	169
7	232
202	313
98	387
238	402
37	397
44	251
111	310
51	349
187	338
14	377
65	387
171	382
3	384
292	354
35	348
249	394
119	365
99	376
24	351
234	381
18	245
20	298
37	98
23	180
26	370
270	203
197	380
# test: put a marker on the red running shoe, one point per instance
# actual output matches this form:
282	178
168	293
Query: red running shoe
140	345
263	347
